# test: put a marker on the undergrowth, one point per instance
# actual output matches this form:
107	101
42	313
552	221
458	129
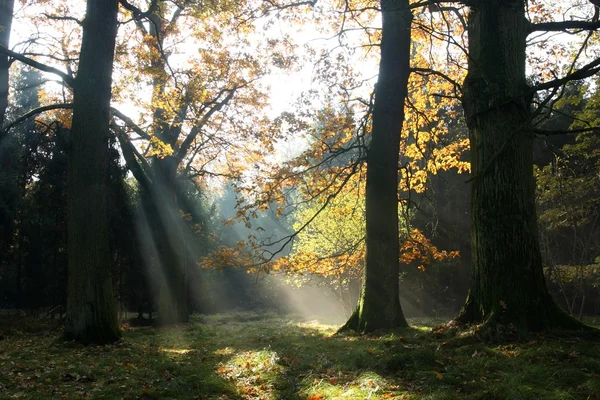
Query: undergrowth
267	356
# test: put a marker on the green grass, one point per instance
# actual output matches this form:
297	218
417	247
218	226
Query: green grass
267	356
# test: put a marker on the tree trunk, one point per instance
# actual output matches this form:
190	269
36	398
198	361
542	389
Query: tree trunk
507	284
6	227
91	314
6	16
168	236
379	303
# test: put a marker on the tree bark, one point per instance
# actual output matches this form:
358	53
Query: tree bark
91	313
507	285
379	303
6	16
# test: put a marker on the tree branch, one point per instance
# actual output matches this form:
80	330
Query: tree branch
557	26
584	72
68	79
137	13
594	129
427	3
185	146
36	111
428	71
129	123
292	5
63	18
136	163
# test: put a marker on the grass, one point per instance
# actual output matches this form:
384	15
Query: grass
267	356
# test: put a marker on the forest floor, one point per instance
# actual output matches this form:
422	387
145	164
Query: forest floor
267	356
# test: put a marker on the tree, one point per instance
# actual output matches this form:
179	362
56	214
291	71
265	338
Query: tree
507	286
91	314
568	200
343	127
6	15
332	247
379	303
190	128
21	145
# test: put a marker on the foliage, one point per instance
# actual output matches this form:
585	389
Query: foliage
567	198
335	123
568	187
332	245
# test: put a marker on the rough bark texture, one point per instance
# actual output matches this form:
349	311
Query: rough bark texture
379	303
6	16
6	220
91	313
507	285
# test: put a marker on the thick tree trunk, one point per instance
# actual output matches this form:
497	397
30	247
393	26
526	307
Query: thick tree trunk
6	227
91	314
6	16
507	285
168	236
379	303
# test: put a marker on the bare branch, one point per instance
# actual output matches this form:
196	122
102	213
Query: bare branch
557	26
289	238
63	18
185	146
68	79
586	71
429	71
36	111
291	5
136	163
129	123
594	129
427	3
137	13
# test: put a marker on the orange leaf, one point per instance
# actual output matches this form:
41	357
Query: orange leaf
316	397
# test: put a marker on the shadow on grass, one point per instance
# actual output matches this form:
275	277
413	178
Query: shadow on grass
147	364
409	363
266	356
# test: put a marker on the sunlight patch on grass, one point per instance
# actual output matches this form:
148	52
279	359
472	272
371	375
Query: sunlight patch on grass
421	328
331	384
175	351
326	330
254	373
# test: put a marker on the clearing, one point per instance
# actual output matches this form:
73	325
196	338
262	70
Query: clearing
268	356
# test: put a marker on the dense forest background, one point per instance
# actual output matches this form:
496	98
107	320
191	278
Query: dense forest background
220	199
